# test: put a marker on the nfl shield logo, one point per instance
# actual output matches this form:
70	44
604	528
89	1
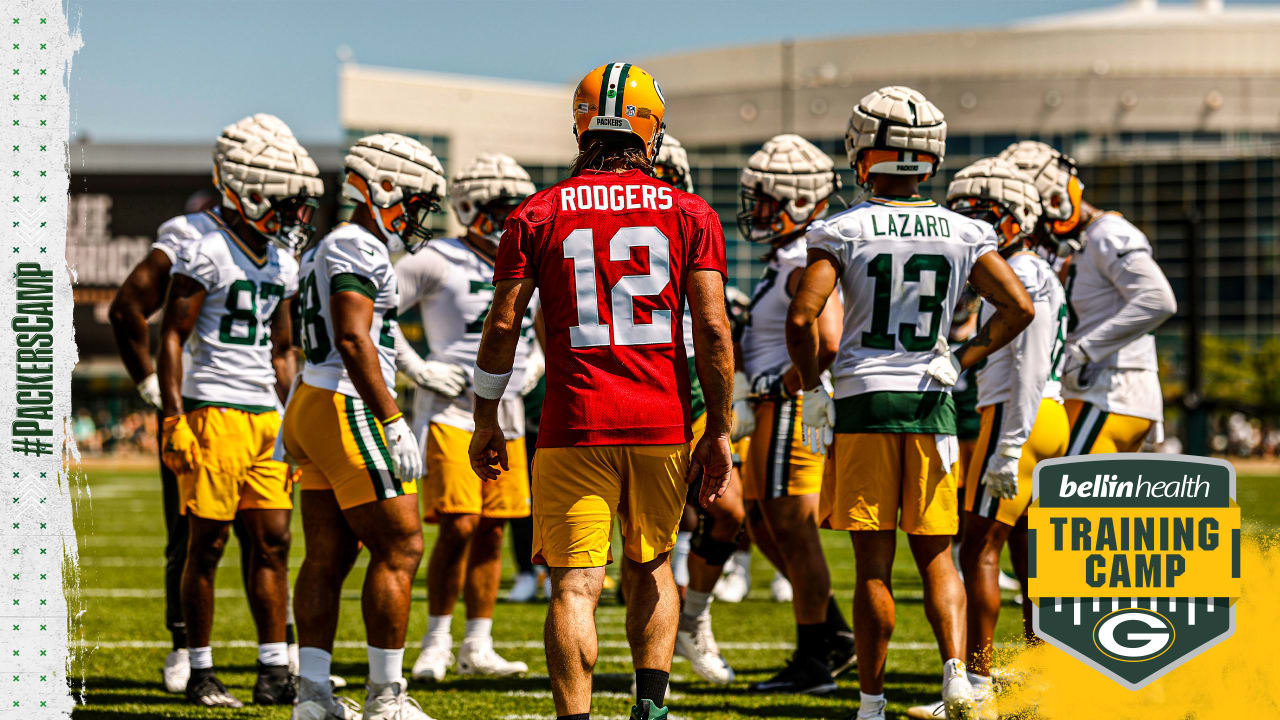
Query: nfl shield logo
631	111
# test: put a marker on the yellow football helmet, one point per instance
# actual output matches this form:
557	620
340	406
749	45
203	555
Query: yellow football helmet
620	97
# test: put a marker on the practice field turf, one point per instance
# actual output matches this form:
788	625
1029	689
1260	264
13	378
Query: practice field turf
121	539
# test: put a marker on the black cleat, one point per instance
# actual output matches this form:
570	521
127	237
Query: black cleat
206	690
842	654
275	685
801	676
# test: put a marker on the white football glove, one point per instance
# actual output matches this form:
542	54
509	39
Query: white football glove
818	417
1001	477
944	367
537	365
443	378
1074	364
149	389
406	460
744	416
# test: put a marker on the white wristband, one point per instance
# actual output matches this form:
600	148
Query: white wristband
488	385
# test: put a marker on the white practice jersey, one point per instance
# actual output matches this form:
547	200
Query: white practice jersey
230	347
764	341
177	232
349	258
1026	370
903	265
1117	295
452	285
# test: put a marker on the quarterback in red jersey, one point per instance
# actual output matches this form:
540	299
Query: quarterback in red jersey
614	254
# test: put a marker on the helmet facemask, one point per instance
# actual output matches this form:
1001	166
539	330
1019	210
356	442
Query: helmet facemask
1010	235
296	221
492	216
763	218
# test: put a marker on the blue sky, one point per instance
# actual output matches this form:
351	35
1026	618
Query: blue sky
161	70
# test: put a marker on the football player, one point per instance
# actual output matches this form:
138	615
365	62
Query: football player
615	255
1117	296
230	293
1023	421
358	458
902	262
787	185
138	298
713	537
449	281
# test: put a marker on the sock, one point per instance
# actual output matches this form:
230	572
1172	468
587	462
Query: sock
651	685
742	559
385	665
273	653
290	637
835	619
696	603
952	668
680	557
201	658
314	664
870	706
479	628
439	628
811	641
575	716
179	635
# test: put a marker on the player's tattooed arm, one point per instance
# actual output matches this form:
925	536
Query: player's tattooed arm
352	318
713	358
186	298
996	282
283	359
809	336
141	294
496	355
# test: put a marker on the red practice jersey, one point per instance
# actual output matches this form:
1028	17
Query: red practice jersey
612	253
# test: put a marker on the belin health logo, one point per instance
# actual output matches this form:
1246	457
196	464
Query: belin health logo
1135	560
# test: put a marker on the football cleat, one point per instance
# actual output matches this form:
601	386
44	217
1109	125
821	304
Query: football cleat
274	686
932	711
780	588
177	670
434	661
646	710
294	661
391	701
842	653
205	689
477	657
524	589
314	703
700	649
734	583
1009	583
801	676
957	698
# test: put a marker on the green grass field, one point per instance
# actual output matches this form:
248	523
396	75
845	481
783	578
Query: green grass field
121	537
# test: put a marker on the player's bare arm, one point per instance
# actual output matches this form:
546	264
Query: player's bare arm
283	358
137	299
810	340
996	282
179	449
352	317
713	357
497	353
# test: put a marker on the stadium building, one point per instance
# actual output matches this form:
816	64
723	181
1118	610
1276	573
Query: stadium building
1172	110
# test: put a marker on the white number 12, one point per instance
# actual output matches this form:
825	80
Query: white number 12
590	332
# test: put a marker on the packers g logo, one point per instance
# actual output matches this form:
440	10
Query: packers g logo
1133	634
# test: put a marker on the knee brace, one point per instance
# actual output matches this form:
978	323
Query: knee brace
714	552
